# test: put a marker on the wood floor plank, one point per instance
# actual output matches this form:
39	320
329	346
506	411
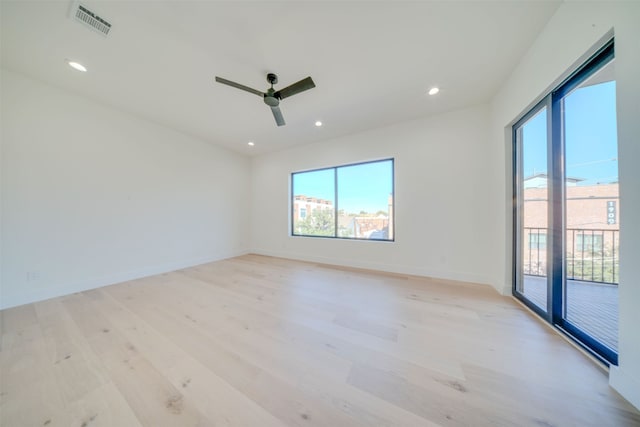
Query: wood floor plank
300	368
217	400
19	327
76	367
28	388
325	324
153	399
580	403
276	396
262	341
298	376
102	407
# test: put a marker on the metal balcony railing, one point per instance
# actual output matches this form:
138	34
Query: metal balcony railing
592	255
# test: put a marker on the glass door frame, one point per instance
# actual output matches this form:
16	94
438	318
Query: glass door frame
556	209
518	220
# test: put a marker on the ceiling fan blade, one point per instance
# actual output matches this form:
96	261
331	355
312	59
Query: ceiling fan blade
301	86
277	114
238	86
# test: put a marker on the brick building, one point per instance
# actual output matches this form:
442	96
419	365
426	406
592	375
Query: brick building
588	206
363	226
592	226
303	206
371	226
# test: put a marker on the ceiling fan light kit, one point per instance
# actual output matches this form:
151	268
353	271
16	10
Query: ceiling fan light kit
273	97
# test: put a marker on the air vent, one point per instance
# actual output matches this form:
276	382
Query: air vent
90	19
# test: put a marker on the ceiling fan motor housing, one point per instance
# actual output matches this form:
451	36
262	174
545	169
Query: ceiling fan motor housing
272	78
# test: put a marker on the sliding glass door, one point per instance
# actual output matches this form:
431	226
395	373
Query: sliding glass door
566	226
531	281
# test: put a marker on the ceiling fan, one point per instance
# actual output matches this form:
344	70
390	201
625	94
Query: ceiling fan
273	97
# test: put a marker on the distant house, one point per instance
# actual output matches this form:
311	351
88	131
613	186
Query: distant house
303	206
366	226
539	180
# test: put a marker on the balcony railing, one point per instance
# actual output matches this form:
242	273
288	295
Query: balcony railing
592	254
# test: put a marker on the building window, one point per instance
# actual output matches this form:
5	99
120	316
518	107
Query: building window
537	241
349	202
589	242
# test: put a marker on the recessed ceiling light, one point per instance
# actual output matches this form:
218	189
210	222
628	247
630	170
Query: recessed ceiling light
250	144
77	66
318	123
433	91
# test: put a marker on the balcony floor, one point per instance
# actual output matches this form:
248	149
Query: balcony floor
593	307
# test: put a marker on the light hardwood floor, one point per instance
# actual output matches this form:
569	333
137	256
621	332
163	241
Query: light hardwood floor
260	341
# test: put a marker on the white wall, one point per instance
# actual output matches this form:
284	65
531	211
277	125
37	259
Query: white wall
574	30
93	196
441	198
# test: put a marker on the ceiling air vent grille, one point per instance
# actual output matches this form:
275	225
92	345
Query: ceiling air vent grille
90	19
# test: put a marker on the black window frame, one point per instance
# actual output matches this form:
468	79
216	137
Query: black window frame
556	289
336	208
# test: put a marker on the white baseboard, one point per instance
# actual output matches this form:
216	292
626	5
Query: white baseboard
389	268
625	384
56	290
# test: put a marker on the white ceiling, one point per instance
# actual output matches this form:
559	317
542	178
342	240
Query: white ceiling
372	62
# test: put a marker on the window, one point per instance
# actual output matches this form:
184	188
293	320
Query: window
313	203
538	240
566	250
349	202
588	242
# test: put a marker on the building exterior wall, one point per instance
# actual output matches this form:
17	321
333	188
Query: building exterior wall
592	227
587	207
303	206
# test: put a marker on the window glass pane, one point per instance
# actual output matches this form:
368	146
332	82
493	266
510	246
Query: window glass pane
314	203
533	205
570	266
365	201
592	202
358	198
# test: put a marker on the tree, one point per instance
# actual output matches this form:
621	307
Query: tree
345	231
319	223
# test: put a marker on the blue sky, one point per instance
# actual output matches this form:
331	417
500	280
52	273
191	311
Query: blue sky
591	138
319	184
364	187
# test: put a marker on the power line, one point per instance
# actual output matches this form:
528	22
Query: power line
593	162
